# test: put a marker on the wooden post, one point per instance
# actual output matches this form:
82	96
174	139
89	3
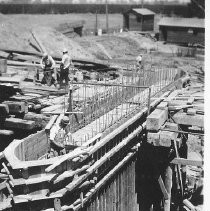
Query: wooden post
149	96
55	74
183	151
168	186
37	74
81	198
96	29
57	204
3	66
70	100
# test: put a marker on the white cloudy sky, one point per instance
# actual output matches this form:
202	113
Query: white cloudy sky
110	1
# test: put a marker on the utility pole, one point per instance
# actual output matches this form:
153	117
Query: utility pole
96	29
142	3
107	19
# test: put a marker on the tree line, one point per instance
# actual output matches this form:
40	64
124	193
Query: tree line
179	10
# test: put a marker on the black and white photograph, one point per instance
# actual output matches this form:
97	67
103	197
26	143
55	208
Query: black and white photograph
102	105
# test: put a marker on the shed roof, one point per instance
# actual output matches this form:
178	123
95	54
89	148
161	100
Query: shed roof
182	22
142	11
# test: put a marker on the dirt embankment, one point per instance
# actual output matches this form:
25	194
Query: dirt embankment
15	33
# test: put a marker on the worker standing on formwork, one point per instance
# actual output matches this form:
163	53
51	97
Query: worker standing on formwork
60	137
66	63
48	65
139	61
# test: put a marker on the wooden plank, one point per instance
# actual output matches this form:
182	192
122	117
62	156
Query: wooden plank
38	87
17	56
53	108
38	197
3	185
156	119
1	155
183	161
92	140
36	37
39	119
36	180
163	188
65	157
16	107
4	55
184	119
50	123
4	132
70	173
15	79
19	123
189	205
168	185
11	74
166	137
22	64
191	111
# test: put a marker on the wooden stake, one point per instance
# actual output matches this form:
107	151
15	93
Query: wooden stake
168	185
163	188
57	204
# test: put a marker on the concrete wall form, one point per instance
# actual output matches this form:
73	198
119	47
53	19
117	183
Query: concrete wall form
118	194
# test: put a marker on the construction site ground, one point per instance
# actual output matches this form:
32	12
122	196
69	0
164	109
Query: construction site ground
119	49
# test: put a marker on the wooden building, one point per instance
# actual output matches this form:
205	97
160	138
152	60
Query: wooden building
140	19
182	30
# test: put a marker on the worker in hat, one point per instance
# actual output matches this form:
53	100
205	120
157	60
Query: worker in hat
47	64
60	136
139	61
65	66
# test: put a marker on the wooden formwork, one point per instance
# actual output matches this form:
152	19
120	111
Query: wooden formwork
118	194
108	170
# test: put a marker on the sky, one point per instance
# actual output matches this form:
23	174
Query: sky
109	1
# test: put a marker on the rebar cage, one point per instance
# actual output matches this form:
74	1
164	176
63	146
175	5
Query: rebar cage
98	105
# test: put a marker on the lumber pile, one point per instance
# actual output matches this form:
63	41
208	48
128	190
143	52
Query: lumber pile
182	107
180	114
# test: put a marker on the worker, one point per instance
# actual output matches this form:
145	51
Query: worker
66	63
60	137
139	61
48	65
